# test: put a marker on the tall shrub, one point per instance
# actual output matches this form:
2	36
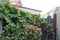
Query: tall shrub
20	25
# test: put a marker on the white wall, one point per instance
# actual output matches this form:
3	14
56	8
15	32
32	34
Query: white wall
57	11
58	26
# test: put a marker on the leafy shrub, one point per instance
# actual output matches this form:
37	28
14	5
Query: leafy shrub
20	25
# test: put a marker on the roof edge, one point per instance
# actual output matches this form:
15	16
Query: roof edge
28	8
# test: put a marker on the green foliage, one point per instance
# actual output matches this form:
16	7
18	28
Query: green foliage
18	22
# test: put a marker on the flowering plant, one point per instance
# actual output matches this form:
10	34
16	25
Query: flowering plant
19	24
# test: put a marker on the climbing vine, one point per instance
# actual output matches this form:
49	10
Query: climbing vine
20	25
